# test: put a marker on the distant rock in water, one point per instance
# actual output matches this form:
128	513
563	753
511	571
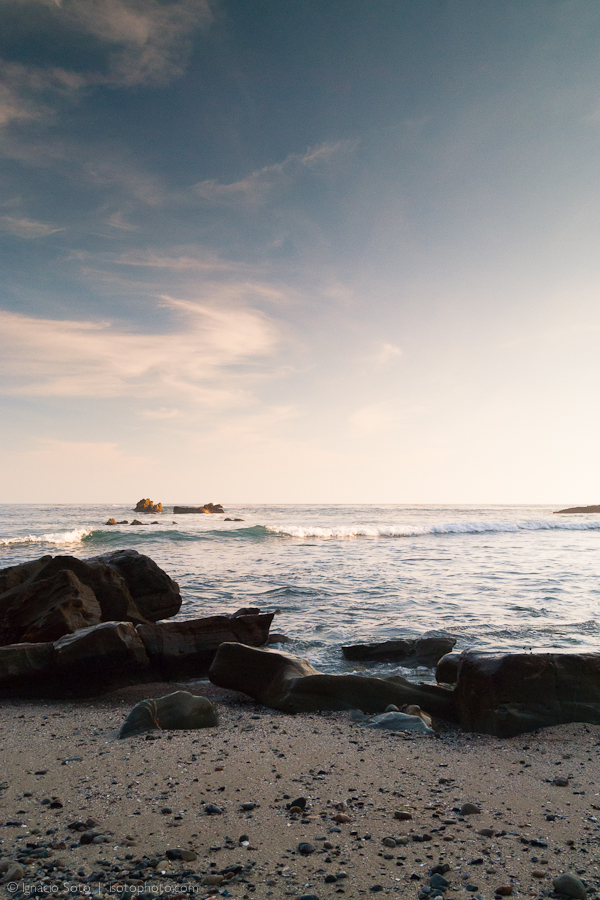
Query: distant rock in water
207	508
579	509
147	506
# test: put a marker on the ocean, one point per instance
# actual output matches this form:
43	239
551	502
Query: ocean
508	577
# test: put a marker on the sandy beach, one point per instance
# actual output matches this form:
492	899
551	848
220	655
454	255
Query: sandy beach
397	798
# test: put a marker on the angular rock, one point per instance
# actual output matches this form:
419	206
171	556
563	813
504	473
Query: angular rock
291	684
109	587
45	608
16	575
506	694
423	651
156	596
189	647
178	710
100	656
147	506
20	664
446	671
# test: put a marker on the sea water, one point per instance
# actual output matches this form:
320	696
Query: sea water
508	577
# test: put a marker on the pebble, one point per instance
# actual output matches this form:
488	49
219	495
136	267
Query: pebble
212	810
469	809
402	815
570	885
14	872
438	881
486	832
342	818
305	848
249	805
505	890
561	781
389	842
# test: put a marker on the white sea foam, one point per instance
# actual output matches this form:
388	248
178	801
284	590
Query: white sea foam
483	527
59	537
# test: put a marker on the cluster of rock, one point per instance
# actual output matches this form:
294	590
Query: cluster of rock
147	506
71	625
503	694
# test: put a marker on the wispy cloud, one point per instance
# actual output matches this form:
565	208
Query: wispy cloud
384	353
197	362
26	228
256	187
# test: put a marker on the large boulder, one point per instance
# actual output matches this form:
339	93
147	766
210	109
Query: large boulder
100	656
156	596
44	609
178	710
21	664
178	648
16	575
506	694
291	684
446	671
423	651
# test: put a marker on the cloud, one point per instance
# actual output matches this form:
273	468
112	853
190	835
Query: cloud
145	41
198	362
26	228
255	188
384	353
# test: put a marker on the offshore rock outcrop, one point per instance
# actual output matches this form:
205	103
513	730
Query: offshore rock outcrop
148	506
579	509
423	651
207	508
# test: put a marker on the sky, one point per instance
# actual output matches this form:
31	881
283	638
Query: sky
299	252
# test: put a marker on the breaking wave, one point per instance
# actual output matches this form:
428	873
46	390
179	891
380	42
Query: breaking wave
377	531
76	536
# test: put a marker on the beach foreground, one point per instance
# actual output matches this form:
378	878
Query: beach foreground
397	798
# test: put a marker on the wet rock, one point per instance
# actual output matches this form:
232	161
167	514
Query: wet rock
571	885
423	651
446	671
179	710
291	684
94	658
156	596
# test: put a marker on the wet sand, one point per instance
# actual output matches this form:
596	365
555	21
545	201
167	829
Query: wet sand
62	763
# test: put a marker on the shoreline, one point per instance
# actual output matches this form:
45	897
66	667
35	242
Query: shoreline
150	794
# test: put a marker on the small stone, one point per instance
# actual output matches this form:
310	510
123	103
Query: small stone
295	810
389	842
440	869
305	848
248	806
91	822
166	810
505	890
14	872
486	832
538	873
561	781
211	810
376	887
342	818
330	879
213	879
402	815
87	837
328	845
56	804
173	853
570	885
438	881
189	855
300	801
469	809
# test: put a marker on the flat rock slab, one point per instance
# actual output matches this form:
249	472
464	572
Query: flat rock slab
423	651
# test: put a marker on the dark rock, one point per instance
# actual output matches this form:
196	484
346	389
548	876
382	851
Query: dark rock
579	509
275	638
212	810
46	608
506	694
305	848
111	522
100	656
178	710
207	508
289	683
156	596
423	651
147	506
136	522
469	809
22	664
570	885
189	647
16	575
438	881
446	671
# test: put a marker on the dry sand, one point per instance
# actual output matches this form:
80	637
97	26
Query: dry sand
150	793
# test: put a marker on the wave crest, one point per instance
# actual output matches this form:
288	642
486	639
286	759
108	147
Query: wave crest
76	536
377	531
